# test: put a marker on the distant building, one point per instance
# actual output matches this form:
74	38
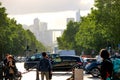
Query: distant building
45	36
76	19
78	16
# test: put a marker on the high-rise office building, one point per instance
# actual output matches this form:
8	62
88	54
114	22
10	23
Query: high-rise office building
78	16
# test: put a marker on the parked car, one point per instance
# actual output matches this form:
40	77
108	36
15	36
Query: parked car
67	63
32	61
87	61
59	63
93	69
20	59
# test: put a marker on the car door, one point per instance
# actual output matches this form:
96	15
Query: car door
32	61
63	65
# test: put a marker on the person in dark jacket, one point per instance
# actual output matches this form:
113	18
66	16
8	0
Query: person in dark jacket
11	67
106	65
6	71
50	70
45	66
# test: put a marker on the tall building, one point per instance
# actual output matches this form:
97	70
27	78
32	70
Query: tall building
45	36
78	16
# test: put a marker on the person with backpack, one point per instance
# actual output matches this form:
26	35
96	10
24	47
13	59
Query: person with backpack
45	66
106	65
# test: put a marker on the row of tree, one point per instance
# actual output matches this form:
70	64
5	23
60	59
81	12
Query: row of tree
14	39
99	29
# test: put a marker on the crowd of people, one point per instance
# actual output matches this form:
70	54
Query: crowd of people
10	70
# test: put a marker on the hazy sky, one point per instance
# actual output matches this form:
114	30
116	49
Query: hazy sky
38	6
24	11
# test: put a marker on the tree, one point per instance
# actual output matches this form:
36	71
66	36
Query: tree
99	29
108	16
67	40
13	38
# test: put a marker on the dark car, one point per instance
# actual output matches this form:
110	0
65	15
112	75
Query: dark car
59	63
93	68
67	63
32	61
88	60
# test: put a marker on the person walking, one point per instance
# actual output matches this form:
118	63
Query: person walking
45	66
50	70
106	65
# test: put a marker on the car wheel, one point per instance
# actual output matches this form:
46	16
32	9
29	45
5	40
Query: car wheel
95	72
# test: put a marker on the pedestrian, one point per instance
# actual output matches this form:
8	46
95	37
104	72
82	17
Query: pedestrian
11	67
106	65
45	66
50	70
5	67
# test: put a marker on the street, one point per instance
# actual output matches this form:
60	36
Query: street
31	75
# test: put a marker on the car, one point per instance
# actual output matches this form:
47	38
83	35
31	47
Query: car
59	63
68	63
93	68
88	60
32	61
20	59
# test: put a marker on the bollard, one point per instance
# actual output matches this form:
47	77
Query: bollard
37	72
78	74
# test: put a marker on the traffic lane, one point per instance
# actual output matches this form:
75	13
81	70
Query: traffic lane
65	75
89	77
56	76
31	75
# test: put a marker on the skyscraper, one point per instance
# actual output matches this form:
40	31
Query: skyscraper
78	16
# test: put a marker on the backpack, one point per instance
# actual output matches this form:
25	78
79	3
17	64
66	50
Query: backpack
116	69
109	69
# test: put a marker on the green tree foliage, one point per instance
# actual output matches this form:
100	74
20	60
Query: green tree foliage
13	38
108	15
85	35
100	29
67	40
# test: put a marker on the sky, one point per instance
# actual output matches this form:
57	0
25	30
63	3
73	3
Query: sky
54	12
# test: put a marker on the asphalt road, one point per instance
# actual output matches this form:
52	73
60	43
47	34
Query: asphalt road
31	75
